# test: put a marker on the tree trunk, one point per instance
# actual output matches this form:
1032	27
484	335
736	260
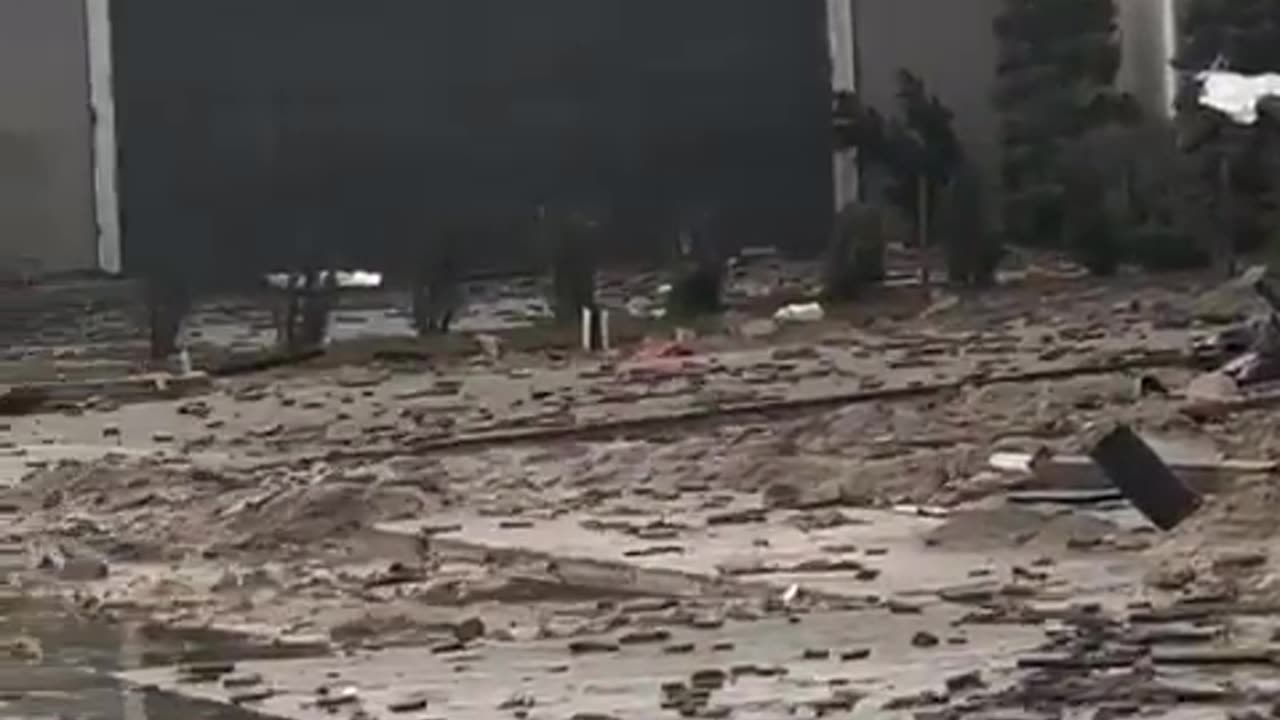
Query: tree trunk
922	229
167	303
1225	247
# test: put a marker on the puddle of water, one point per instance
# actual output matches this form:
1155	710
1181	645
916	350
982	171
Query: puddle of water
72	679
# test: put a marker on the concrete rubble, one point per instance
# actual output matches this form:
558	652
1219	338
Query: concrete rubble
885	513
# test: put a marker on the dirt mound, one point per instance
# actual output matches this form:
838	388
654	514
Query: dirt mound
1226	546
148	509
1247	511
330	509
1009	526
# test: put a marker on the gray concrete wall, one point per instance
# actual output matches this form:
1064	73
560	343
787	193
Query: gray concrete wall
46	197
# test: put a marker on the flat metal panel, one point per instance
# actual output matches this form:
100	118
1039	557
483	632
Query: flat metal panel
251	130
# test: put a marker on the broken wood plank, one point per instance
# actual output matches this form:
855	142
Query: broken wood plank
1064	497
1081	473
1214	656
1073	661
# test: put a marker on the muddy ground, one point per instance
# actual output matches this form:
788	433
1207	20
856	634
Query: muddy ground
774	521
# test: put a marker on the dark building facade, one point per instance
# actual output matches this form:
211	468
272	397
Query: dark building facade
252	131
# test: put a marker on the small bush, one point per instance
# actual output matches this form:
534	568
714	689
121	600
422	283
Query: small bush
437	292
855	258
1159	248
573	267
972	250
701	269
1096	244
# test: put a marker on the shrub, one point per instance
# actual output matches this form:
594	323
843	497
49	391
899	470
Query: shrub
855	257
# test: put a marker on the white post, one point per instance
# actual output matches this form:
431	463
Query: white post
586	329
101	101
604	331
844	163
1169	33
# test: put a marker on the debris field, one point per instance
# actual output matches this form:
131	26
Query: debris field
870	516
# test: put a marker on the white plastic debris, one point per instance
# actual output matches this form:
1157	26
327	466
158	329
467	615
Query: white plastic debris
1235	95
344	279
359	279
800	312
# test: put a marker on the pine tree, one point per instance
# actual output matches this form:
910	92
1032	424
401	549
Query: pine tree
1237	35
917	143
916	149
1056	68
1240	36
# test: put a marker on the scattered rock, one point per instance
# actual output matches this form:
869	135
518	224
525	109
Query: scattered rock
644	637
449	648
195	408
254	695
468	630
707	622
799	495
1172	575
589	647
798	352
329	698
738	517
902	607
965	682
83	567
757	671
24	648
924	639
712	678
1238	561
840	701
242	681
866	574
518	701
411	703
915	700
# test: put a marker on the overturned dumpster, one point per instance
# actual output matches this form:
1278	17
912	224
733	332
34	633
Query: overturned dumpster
304	134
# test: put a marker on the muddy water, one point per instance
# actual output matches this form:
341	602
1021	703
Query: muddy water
71	677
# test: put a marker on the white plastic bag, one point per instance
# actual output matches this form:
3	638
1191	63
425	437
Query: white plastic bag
800	312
